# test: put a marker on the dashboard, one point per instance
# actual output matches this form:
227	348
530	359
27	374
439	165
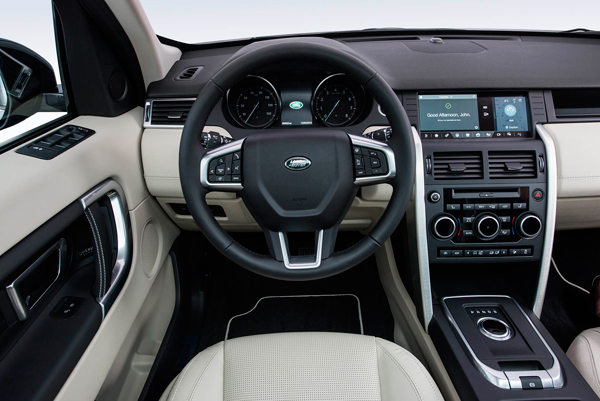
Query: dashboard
295	100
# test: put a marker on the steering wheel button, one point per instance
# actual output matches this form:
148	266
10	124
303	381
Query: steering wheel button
375	163
236	178
357	150
221	160
361	172
377	171
236	167
220	169
359	162
237	156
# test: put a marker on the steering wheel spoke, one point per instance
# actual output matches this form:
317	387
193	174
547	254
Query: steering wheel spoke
221	168
374	161
280	246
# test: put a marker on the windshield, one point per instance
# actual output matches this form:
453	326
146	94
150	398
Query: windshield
194	21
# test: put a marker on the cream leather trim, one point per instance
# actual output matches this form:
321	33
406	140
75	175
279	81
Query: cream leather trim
577	213
584	352
35	190
155	58
304	366
578	162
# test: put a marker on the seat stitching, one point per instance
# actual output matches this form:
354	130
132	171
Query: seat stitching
199	379
412	383
591	355
180	380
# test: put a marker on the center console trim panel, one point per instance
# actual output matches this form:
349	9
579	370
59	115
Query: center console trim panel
551	378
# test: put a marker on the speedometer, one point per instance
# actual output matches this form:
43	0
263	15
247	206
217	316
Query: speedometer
337	101
254	103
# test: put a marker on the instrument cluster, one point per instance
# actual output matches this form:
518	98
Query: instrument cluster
258	102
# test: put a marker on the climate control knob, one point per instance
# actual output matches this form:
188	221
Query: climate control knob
528	225
487	226
444	226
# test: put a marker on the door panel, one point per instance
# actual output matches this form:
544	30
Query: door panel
115	265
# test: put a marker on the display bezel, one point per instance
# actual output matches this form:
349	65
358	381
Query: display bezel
483	133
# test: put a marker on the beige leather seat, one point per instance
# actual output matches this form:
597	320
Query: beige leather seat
304	366
584	352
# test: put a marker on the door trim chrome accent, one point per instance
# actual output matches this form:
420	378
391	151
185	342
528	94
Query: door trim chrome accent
305	265
551	201
12	290
360	140
122	266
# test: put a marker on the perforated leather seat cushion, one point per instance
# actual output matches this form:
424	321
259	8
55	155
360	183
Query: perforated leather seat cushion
304	366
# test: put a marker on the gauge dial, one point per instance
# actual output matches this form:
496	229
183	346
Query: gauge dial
337	101
254	102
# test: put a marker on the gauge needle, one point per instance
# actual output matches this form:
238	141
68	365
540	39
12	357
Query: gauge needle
252	112
336	105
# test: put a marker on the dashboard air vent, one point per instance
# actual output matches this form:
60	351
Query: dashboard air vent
189	73
457	165
512	164
170	112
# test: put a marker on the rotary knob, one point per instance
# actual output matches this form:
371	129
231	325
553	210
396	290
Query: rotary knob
444	226
528	225
487	226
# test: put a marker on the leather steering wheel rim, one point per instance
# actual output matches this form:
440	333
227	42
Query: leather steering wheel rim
329	54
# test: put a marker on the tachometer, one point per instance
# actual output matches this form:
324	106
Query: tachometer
254	103
338	101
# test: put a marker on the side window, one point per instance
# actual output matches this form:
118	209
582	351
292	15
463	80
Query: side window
31	93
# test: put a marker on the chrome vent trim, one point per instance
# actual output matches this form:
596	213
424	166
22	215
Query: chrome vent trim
167	113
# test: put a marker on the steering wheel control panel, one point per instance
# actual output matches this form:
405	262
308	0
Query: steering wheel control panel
368	162
485	223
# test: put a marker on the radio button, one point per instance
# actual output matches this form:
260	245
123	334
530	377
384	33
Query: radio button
468	220
492	206
468	206
434	197
452	207
504	206
468	253
445	253
456	253
504	232
468	233
504	219
480	206
519	206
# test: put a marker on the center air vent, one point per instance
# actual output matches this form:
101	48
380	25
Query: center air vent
512	164
457	165
170	112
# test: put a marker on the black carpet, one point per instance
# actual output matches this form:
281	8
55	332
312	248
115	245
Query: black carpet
338	313
232	290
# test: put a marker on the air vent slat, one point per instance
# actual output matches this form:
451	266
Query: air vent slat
188	73
170	112
457	165
512	164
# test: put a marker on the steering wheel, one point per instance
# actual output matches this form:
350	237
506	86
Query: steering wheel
297	180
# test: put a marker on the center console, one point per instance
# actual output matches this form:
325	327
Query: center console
485	205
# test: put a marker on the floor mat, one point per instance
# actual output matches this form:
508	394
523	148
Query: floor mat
284	314
232	290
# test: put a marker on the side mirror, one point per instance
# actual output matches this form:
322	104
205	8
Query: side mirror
28	84
4	103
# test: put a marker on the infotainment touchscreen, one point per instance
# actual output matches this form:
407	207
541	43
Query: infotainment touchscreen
473	116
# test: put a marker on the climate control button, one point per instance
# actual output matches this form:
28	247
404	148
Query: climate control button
487	226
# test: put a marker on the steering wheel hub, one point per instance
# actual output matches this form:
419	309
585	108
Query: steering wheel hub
284	193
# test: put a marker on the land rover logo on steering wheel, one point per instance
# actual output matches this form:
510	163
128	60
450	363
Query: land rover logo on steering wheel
297	163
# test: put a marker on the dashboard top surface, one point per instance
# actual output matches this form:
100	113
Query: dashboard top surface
415	63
